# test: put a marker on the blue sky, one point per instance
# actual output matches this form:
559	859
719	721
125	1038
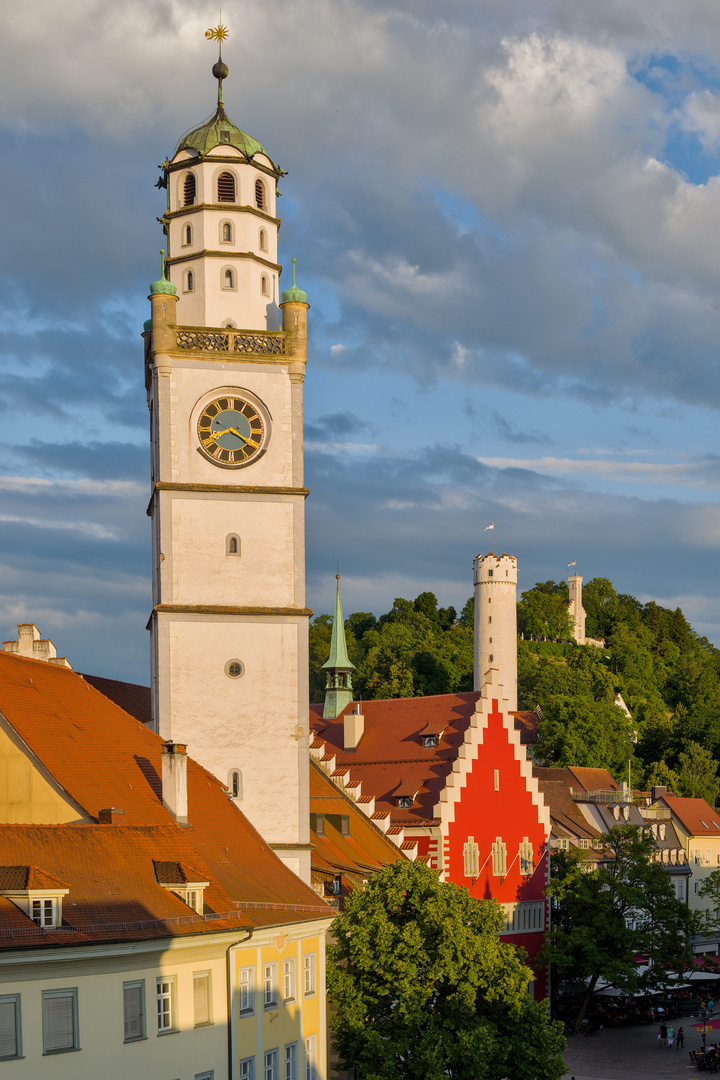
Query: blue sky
506	215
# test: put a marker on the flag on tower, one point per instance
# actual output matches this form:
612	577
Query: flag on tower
489	527
571	564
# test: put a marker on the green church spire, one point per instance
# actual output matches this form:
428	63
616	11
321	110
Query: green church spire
338	686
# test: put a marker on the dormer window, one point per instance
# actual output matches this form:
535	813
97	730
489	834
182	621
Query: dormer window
35	892
317	824
225	136
182	881
430	742
404	802
226	187
189	190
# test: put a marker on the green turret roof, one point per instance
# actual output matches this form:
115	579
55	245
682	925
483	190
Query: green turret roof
293	293
162	285
218	129
338	647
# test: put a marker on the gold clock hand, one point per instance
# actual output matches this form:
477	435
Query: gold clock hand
217	434
244	438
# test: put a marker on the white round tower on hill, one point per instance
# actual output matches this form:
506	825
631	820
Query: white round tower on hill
495	578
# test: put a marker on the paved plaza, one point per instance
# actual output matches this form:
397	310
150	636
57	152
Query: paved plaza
626	1053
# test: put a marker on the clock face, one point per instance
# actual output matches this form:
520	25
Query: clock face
231	432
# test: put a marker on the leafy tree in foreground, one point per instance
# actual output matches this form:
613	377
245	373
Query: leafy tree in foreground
604	920
424	989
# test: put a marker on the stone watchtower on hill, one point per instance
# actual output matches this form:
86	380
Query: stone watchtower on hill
338	669
495	578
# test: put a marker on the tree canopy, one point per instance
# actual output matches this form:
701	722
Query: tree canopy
424	989
603	920
667	675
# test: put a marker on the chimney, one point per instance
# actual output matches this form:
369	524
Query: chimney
658	791
174	780
354	728
110	816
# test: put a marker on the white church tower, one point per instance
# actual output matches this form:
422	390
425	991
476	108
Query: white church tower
495	578
576	611
225	392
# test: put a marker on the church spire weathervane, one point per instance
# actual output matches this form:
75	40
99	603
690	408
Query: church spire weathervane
219	33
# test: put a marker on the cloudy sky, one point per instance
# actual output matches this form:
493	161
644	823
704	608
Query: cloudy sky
506	214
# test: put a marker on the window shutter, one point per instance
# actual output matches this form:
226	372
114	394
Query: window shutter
58	1022
8	1029
226	188
133	1008
201	998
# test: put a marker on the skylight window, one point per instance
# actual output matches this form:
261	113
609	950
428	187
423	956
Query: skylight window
705	824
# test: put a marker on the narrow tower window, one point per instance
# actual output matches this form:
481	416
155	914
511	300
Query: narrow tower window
264	285
263	240
188	234
226	187
228	279
227	232
189	281
232	544
259	194
235	784
189	189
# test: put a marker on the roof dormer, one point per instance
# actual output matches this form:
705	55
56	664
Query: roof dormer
183	881
34	891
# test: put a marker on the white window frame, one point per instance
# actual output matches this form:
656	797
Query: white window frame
135	984
499	858
271	1064
71	994
290	1062
526	857
14	1001
270	985
311	1057
166	995
246	991
208	1075
471	858
309	974
47	910
206	977
246	1068
289	980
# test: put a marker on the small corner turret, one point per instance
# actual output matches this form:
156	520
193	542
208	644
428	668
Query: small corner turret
338	669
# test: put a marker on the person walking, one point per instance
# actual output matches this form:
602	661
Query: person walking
671	1034
680	1038
663	1035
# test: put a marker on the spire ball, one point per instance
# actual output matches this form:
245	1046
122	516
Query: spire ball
220	70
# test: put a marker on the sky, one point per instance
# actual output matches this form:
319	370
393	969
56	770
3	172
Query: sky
506	215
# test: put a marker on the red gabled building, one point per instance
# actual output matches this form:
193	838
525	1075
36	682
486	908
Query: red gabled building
451	774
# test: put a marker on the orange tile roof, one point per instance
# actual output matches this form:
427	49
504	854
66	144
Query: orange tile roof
695	815
593	779
20	878
100	756
362	852
131	697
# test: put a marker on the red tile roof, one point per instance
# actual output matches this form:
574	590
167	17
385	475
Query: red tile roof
362	852
100	756
20	878
695	815
131	697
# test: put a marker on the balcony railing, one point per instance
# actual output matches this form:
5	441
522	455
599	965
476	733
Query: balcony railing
524	917
229	342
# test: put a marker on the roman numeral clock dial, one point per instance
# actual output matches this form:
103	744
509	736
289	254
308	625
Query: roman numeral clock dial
231	432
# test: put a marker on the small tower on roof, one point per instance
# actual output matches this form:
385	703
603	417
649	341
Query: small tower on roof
338	669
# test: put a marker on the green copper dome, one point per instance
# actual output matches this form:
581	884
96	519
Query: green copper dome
162	285
218	130
293	293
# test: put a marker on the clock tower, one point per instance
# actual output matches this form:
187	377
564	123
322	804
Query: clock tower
225	360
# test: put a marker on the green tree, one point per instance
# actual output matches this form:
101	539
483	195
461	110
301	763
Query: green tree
697	774
543	612
605	918
424	989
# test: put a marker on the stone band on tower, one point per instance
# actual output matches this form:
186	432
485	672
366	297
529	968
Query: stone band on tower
495	579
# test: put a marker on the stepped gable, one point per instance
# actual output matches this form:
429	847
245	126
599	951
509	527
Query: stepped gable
102	757
391	761
363	851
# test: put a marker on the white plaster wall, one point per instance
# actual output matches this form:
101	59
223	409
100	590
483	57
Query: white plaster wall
192	385
203	573
496	600
251	723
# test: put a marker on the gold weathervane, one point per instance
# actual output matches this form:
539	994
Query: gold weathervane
218	33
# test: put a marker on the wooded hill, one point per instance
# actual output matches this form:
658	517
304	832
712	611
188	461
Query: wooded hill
668	676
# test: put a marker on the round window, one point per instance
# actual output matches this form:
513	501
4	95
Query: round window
234	668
